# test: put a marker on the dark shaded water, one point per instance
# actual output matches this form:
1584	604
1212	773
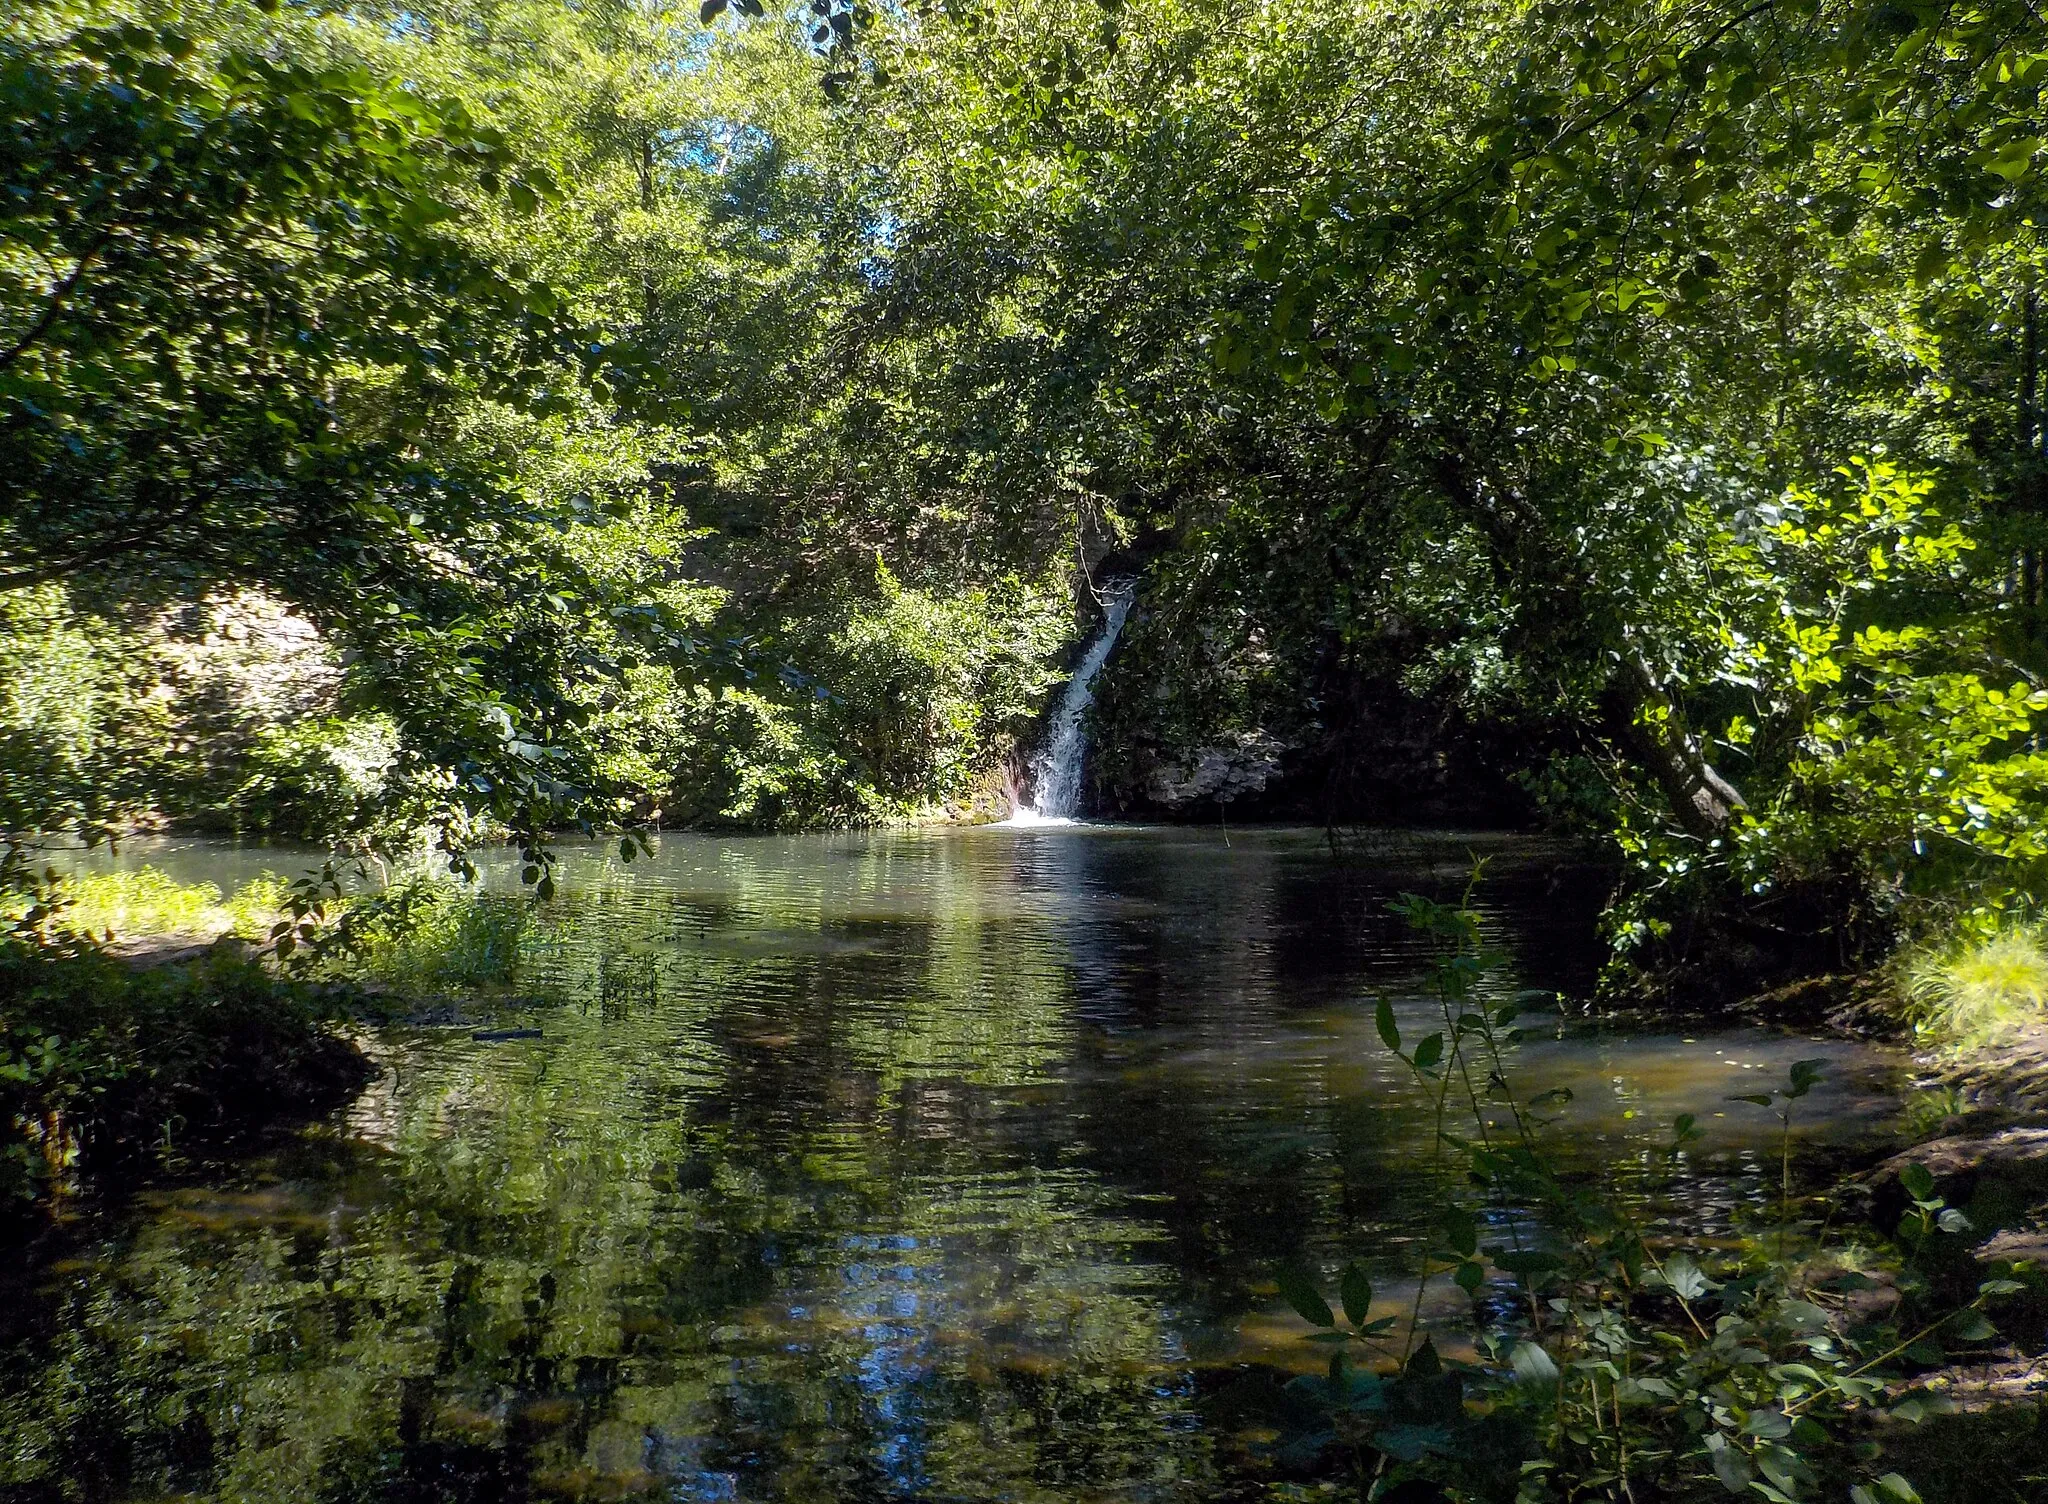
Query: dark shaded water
947	1165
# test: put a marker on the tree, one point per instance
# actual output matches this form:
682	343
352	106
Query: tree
238	323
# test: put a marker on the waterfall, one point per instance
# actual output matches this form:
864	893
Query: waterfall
1056	770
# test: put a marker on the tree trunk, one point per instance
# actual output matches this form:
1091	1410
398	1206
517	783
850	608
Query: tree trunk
1644	717
1701	800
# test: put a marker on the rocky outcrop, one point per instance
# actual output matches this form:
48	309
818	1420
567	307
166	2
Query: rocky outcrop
2012	1077
1217	774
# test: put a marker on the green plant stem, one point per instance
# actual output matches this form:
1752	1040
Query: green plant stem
1890	1353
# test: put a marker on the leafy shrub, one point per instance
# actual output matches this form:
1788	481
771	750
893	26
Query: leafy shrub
215	713
747	759
426	936
74	738
927	688
913	696
1885	747
309	780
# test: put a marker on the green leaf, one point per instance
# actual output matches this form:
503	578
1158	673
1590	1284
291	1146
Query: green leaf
1685	1278
1533	1365
710	11
1383	1019
1971	1326
1429	1052
2013	160
1461	1232
1300	1292
1469	1276
1918	1181
1769	1424
1730	1464
1356	1291
1761	1099
1805	1075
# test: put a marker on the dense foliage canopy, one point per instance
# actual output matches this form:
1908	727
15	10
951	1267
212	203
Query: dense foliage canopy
1625	416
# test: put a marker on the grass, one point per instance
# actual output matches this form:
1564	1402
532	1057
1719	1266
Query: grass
421	936
1980	993
436	937
129	905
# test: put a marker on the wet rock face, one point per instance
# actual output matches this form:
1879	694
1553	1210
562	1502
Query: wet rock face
1216	700
1219	774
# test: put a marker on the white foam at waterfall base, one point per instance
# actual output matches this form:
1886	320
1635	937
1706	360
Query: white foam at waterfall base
1056	770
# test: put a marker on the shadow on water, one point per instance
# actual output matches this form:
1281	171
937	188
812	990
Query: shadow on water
933	1165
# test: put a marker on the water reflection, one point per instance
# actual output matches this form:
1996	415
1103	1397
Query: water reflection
923	1165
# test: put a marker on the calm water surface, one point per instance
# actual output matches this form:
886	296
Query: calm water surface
929	1165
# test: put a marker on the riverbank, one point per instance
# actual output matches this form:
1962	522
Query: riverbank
109	1061
144	1020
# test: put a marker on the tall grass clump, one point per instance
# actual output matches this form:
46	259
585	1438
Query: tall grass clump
147	901
426	936
1982	991
419	935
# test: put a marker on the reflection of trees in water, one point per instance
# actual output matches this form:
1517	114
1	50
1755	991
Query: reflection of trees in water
647	1249
1202	1091
848	1169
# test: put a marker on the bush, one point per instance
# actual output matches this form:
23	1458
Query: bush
73	737
310	780
216	713
427	936
914	696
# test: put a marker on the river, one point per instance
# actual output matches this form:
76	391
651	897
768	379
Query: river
935	1165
